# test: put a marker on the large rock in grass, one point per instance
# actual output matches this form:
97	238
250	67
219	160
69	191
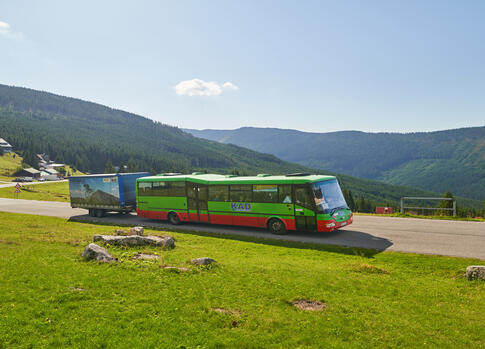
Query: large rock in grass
203	261
166	242
475	272
136	231
97	253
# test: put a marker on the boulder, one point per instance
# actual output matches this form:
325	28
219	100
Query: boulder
177	269
97	253
136	231
167	242
475	272
203	261
121	232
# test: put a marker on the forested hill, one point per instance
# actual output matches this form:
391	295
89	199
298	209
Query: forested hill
87	135
452	159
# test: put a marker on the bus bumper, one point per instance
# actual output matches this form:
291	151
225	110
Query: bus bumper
331	225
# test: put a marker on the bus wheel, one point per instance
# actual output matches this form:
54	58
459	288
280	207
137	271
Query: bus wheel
276	226
100	213
173	218
91	212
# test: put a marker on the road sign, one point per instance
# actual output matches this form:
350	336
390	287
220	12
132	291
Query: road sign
17	190
18	186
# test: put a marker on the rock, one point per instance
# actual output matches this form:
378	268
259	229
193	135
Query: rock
203	261
306	304
98	253
121	232
167	242
167	267
145	256
475	272
136	231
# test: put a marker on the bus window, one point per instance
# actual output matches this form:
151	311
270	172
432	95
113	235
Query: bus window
219	193
284	194
241	193
176	189
144	188
265	193
303	197
160	188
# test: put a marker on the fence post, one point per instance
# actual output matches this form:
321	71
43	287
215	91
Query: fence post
402	205
454	207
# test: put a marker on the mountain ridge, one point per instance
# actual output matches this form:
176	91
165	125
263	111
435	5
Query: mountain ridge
436	160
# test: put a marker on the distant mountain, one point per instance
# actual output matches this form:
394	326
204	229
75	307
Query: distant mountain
452	159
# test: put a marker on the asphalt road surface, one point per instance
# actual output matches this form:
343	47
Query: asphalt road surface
451	238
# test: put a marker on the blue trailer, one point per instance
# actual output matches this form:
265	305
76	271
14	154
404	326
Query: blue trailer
101	193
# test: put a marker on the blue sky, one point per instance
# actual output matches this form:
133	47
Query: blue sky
310	65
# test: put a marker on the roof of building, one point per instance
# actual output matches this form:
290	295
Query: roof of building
231	179
29	170
4	143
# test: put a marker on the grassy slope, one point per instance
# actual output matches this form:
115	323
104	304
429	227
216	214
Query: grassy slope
50	297
8	164
49	191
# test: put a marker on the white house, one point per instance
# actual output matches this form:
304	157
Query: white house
7	148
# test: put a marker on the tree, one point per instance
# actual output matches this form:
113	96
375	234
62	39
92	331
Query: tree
109	167
1	151
447	203
132	167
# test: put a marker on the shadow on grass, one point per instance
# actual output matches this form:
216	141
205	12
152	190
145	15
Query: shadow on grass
345	241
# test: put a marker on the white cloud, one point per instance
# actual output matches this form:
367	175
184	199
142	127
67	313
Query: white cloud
5	30
230	86
197	87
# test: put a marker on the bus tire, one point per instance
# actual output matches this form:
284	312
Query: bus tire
100	213
276	226
173	218
91	212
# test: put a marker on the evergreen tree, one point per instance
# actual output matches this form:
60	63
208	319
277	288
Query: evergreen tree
109	167
447	203
1	151
132	167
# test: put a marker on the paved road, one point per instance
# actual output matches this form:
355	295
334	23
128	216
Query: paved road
452	238
12	184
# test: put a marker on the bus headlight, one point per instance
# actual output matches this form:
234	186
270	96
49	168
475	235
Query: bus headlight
330	225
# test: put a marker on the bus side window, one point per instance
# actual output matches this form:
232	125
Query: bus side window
285	194
303	197
265	193
144	188
218	193
242	193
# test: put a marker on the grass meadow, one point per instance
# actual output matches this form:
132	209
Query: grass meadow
51	297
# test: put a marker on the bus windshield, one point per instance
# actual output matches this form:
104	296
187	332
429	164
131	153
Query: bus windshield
328	196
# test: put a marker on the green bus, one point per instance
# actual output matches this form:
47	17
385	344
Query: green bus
297	201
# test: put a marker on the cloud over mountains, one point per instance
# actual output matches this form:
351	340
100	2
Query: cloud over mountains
198	87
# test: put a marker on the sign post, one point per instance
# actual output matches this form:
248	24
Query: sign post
17	190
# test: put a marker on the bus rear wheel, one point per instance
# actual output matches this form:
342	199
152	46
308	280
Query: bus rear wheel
173	218
276	226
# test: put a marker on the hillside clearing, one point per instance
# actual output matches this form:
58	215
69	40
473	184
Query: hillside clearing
371	299
49	191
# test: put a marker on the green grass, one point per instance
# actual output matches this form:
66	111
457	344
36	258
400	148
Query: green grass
8	165
49	191
50	297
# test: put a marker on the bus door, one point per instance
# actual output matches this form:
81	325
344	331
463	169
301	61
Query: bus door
197	202
305	218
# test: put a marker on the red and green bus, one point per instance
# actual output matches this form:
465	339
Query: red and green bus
279	203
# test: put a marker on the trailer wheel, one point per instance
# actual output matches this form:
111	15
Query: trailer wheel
173	218
91	212
276	226
100	213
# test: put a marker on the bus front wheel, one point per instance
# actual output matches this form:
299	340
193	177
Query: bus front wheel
276	226
173	218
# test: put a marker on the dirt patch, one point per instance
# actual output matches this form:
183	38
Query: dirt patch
368	269
226	311
77	289
9	242
306	304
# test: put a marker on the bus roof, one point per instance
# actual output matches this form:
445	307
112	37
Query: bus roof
209	178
